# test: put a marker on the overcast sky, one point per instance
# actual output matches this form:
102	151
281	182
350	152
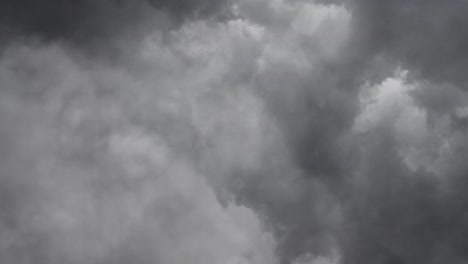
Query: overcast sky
233	132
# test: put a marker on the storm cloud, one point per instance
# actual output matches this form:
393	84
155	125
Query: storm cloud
243	131
85	21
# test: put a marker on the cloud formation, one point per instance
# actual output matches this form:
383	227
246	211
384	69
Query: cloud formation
248	131
86	21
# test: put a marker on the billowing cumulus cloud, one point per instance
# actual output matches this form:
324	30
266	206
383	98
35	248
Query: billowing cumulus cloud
100	163
243	131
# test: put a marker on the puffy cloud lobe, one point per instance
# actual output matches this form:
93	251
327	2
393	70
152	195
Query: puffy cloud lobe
99	164
406	205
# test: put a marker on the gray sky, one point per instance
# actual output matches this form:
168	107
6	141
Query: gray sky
234	131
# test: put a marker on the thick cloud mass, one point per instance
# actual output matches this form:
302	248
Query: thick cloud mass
81	20
427	36
247	131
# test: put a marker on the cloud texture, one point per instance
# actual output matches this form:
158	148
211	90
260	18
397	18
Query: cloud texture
244	131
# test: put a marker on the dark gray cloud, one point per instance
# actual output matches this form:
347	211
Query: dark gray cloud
403	215
428	37
390	213
400	215
284	131
85	20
